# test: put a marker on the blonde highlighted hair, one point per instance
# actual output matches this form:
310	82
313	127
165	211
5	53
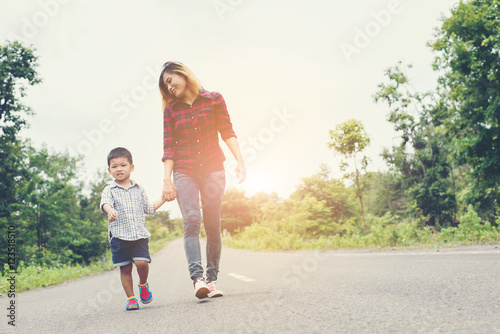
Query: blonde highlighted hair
175	67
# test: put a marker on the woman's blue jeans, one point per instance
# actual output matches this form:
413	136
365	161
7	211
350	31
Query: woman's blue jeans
211	188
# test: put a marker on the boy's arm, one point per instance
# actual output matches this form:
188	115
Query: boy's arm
149	208
158	203
107	204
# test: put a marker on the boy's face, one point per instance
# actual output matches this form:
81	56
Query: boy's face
120	168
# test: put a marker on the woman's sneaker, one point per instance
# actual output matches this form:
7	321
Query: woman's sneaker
200	288
213	291
145	293
132	304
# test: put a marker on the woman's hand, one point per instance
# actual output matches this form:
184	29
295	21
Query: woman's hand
241	172
169	193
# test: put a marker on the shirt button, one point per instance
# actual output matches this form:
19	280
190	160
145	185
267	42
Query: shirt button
196	128
198	152
198	141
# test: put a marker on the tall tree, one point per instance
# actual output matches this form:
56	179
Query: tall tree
349	139
422	154
17	67
467	47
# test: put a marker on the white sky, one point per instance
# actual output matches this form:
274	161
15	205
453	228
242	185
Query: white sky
278	64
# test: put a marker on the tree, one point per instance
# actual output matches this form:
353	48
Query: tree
17	65
384	193
350	139
422	157
236	211
467	47
94	224
332	193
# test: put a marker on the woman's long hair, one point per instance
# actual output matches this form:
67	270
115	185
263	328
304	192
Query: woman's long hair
193	84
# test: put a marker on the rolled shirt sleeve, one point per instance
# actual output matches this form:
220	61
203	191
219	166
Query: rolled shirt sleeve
149	208
168	135
224	125
106	197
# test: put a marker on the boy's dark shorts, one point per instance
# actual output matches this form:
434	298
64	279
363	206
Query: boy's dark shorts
124	251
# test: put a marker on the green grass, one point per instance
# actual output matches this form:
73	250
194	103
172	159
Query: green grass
384	233
31	276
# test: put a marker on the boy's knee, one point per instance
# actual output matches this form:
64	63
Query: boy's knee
141	264
127	269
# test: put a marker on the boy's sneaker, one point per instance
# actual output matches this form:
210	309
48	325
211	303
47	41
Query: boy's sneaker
145	293
213	291
200	288
132	304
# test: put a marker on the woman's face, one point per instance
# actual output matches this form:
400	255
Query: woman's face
176	84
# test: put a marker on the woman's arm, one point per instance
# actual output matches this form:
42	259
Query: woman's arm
233	145
169	193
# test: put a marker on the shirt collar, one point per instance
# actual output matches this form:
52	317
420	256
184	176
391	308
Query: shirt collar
203	93
114	184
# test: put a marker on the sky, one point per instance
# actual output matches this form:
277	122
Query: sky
290	71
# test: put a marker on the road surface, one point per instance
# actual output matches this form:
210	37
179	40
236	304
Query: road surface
406	291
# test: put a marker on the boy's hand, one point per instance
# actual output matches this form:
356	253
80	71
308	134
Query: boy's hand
112	215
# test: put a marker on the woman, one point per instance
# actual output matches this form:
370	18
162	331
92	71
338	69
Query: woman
193	118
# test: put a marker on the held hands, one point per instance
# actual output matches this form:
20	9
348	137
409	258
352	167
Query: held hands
112	215
169	193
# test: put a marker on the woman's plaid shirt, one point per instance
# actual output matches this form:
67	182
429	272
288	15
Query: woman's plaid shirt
190	133
132	205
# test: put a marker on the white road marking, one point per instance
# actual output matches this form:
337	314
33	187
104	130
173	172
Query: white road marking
241	277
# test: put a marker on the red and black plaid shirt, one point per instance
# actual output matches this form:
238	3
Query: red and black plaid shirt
190	133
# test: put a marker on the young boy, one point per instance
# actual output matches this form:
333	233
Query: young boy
126	204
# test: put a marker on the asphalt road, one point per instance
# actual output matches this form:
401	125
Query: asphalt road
413	291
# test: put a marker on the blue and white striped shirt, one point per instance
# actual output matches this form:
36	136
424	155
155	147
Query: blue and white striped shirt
132	205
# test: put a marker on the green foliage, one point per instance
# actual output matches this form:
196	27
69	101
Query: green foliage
422	157
17	66
384	193
237	211
336	197
468	60
385	232
349	139
162	227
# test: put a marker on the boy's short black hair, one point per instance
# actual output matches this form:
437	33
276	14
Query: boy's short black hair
118	153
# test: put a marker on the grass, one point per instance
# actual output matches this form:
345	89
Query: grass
31	276
384	233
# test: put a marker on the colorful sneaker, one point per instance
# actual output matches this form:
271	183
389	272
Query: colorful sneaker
200	288
145	293
213	291
132	304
